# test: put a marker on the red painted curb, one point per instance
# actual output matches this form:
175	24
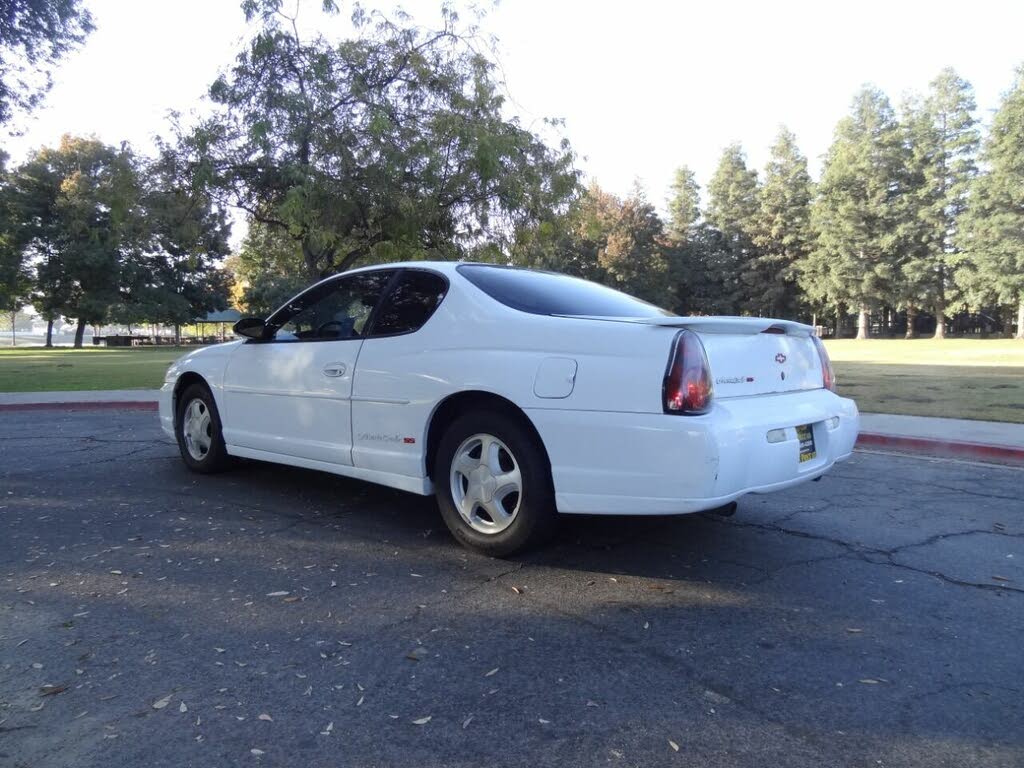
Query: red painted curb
960	449
125	405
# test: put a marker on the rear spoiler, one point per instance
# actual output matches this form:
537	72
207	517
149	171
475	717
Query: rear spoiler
734	325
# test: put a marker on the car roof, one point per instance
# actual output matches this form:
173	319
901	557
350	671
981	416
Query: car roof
445	267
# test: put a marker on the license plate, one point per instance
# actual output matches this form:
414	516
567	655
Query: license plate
805	435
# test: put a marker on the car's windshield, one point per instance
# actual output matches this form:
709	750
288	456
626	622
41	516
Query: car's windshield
549	293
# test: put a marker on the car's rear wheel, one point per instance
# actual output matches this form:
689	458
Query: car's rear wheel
198	429
494	484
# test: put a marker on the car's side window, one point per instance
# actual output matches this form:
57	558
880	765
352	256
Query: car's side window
335	311
410	303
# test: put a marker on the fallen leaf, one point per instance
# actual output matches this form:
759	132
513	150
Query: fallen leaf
869	681
1000	578
466	722
277	594
591	703
854	630
183	708
542	721
492	672
422	720
265	717
675	747
292	599
416	654
52	690
161	703
256	752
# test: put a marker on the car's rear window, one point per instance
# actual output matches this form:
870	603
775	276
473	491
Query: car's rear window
549	293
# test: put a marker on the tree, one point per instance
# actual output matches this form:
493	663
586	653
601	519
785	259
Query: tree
732	211
632	256
269	268
175	276
618	242
700	266
942	138
855	260
388	145
34	36
782	231
15	281
79	205
683	205
991	267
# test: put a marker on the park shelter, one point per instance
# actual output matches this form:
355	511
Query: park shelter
220	318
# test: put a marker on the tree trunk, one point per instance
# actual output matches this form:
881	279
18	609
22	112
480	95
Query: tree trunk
49	332
1020	319
14	330
79	333
863	331
911	319
940	320
177	335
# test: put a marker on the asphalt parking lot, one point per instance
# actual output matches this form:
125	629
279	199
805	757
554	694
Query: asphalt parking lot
279	617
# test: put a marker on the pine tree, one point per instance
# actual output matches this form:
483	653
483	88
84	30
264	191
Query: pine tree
855	261
942	141
991	268
683	205
782	233
732	211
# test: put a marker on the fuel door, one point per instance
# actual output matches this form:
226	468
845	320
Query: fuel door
556	377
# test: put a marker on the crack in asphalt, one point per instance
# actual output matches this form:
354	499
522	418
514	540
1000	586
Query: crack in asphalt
863	553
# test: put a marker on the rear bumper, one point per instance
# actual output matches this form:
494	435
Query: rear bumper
653	464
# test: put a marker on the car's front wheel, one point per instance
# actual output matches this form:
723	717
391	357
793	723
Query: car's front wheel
494	484
198	429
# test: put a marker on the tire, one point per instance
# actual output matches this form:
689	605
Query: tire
500	506
201	444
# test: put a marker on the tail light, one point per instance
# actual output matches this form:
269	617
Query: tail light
828	376
687	386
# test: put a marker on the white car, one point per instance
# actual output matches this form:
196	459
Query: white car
514	395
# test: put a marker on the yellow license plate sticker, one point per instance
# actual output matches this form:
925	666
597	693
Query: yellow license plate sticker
805	435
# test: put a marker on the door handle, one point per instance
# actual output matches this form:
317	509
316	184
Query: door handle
334	370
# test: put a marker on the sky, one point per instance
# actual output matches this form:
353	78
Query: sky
643	86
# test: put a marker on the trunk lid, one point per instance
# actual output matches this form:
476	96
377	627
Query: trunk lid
752	355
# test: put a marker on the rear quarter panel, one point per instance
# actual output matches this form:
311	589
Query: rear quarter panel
474	343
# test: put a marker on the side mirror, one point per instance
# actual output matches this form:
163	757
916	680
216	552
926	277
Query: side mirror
252	328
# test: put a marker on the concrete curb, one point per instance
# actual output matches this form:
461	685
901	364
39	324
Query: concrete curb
104	405
943	448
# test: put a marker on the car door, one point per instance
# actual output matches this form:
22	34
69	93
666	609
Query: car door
397	381
290	395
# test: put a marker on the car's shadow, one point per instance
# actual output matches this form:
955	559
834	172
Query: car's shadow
651	546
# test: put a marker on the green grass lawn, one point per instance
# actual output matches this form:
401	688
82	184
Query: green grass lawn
955	378
34	369
958	378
